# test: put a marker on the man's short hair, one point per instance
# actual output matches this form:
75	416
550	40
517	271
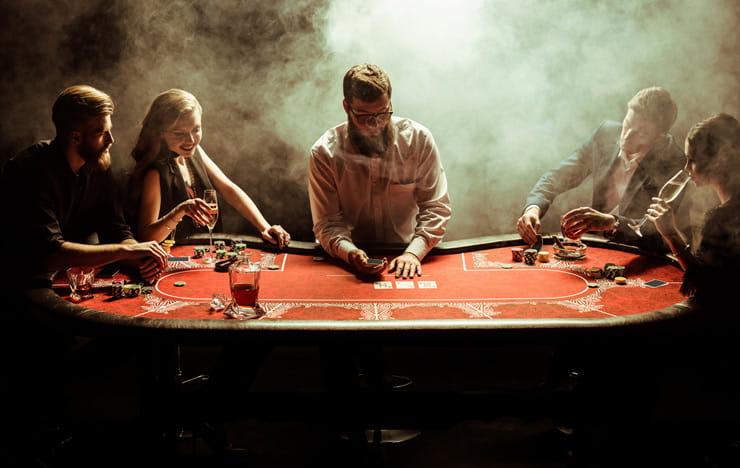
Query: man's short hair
77	104
366	82
656	105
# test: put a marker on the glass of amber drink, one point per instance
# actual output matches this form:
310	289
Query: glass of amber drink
244	280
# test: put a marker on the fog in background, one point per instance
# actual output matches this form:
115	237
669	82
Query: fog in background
507	88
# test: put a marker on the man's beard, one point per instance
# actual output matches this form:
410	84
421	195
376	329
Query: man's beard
100	159
368	145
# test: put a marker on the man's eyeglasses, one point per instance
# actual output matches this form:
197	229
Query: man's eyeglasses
372	119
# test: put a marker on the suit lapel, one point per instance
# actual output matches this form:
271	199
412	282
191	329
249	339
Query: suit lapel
602	178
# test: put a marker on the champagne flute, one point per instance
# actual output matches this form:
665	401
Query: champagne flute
668	193
209	196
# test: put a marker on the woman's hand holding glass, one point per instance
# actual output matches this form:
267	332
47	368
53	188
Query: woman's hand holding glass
661	213
669	192
197	209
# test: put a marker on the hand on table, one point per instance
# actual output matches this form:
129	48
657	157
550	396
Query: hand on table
528	225
358	258
149	256
149	270
579	221
275	234
406	265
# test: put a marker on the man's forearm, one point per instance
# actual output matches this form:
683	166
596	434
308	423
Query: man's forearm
74	254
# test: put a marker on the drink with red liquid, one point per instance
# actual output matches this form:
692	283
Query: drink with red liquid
244	294
244	279
80	282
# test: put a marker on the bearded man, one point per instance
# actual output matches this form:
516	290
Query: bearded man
65	208
377	179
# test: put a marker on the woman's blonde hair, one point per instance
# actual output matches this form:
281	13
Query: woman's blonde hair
162	113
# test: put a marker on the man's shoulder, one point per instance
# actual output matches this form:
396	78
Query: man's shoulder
32	156
608	128
331	138
410	133
36	150
406	125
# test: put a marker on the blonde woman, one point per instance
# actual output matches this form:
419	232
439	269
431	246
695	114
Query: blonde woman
172	171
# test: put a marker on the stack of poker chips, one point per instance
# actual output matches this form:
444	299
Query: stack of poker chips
238	247
199	251
517	254
167	245
116	288
530	255
131	290
594	272
611	271
221	253
219	245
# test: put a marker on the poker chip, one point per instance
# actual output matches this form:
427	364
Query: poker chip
611	271
319	259
131	290
517	254
620	280
594	272
273	267
507	266
529	256
180	284
543	256
117	288
592	285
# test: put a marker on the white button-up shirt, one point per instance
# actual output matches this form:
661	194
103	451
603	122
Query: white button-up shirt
399	196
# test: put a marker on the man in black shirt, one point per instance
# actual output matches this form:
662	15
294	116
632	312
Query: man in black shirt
63	206
64	197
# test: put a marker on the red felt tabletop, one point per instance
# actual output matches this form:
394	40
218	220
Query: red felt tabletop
483	284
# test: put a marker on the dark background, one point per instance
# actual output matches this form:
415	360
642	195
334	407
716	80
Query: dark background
507	88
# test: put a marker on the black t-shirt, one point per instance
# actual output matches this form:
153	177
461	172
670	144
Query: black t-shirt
50	204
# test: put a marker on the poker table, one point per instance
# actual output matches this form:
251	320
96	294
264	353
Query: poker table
469	290
471	295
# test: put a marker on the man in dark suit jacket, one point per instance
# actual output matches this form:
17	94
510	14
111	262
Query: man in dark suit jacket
629	162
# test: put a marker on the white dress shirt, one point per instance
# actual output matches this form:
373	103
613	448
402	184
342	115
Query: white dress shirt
399	196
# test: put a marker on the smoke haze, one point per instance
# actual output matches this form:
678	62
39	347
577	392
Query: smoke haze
507	88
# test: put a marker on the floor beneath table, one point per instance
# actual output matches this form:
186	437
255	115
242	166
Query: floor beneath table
691	426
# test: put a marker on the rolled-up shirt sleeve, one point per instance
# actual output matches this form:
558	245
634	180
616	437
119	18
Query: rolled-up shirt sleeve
432	199
329	226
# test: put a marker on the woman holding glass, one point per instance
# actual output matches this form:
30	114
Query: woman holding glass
173	172
713	159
